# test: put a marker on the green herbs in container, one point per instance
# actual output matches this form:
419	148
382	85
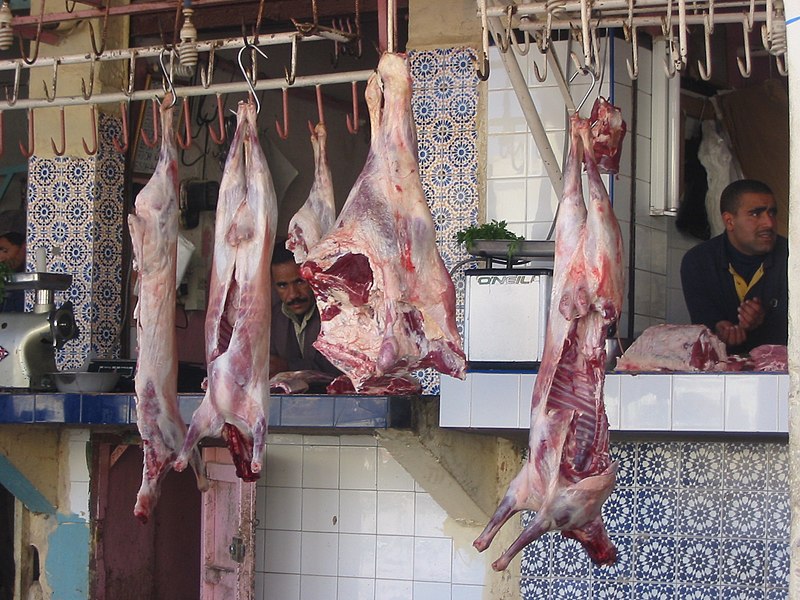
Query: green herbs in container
495	230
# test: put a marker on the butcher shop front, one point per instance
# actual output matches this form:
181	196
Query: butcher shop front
430	168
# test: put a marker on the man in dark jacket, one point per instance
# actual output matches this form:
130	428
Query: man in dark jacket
295	320
12	253
737	283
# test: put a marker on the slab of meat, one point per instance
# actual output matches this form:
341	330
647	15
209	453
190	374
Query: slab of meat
675	348
297	382
239	305
608	131
769	357
315	218
569	473
154	236
386	299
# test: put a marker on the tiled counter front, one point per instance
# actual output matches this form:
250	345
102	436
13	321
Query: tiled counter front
692	517
688	402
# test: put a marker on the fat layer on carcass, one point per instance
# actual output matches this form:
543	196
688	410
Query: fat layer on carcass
154	236
568	473
316	216
239	305
386	300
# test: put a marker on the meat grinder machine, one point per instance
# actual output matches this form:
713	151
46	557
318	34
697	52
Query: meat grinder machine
28	340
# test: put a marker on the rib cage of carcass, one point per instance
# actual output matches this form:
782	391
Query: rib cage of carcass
569	473
386	300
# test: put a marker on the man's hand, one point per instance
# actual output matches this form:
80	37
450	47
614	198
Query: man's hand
730	334
751	314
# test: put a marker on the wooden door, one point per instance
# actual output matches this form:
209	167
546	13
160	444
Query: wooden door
228	540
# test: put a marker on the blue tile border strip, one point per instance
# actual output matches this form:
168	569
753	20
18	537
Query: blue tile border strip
345	412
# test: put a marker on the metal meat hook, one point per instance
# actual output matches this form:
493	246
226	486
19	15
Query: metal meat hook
583	71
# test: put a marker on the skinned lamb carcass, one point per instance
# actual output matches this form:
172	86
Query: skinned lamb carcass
154	237
239	306
569	473
316	217
386	300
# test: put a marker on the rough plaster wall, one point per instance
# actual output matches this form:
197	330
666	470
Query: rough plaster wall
443	24
34	451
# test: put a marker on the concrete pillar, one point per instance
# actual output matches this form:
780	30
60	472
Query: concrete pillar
793	58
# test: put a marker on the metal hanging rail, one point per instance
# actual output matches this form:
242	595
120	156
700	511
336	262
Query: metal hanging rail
197	90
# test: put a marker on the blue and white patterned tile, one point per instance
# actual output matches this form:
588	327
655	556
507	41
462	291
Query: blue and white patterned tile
619	511
461	62
654	558
612	590
627	454
535	589
462	106
701	464
698	560
569	559
777	564
779	512
744	514
425	67
696	592
658	464
741	593
655	511
778	470
569	589
653	591
742	562
537	558
745	466
777	594
699	512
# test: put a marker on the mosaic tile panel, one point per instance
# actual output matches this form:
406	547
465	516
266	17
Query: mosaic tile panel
691	520
444	103
75	211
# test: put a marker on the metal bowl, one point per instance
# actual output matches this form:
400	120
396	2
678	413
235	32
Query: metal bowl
81	382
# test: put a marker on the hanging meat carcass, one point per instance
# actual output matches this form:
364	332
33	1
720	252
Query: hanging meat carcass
315	218
569	473
154	236
238	315
385	297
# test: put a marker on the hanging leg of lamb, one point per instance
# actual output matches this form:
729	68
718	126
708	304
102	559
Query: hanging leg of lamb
569	473
154	236
386	299
238	314
315	218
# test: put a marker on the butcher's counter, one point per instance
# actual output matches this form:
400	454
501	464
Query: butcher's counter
676	402
289	411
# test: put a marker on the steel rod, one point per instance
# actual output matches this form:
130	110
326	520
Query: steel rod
639	21
599	6
196	90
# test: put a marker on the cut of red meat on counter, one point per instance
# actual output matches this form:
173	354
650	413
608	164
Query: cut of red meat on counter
675	348
386	300
769	357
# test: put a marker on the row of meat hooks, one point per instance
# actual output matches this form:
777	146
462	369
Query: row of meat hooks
345	34
584	18
184	140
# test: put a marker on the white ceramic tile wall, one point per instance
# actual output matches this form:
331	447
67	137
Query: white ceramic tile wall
735	402
339	519
78	473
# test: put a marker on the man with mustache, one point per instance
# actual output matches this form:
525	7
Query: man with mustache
737	283
295	320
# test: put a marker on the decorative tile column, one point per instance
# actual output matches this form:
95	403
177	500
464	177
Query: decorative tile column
445	107
75	212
